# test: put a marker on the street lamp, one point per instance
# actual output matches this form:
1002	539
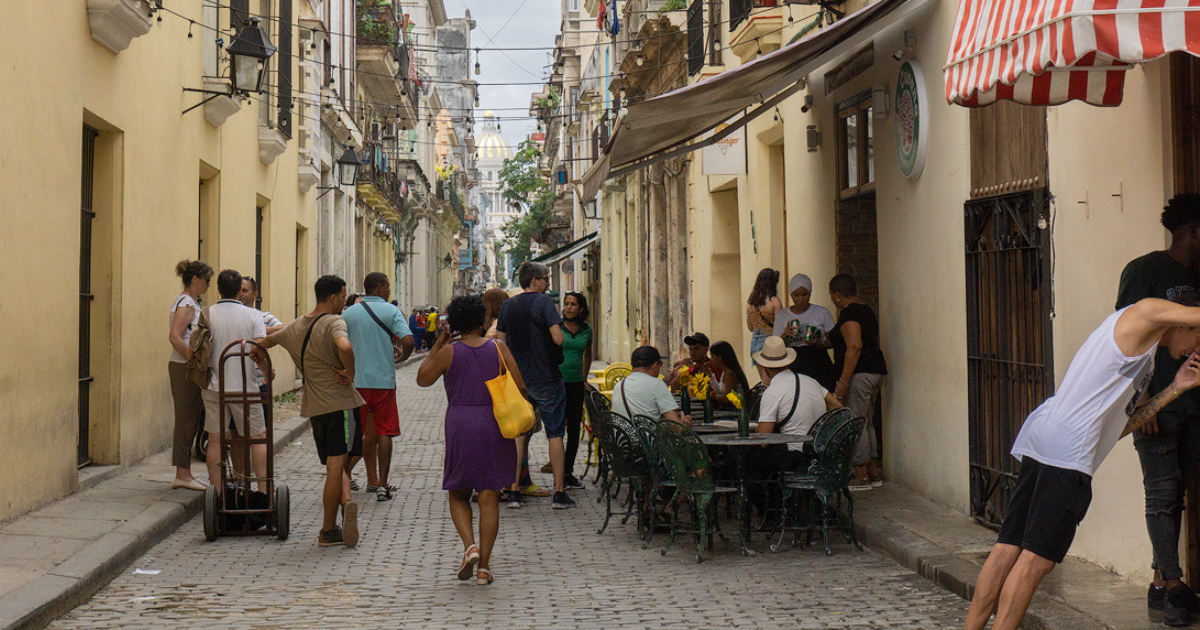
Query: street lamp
348	166
448	260
248	54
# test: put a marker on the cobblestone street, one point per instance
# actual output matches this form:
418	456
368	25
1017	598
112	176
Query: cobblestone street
552	570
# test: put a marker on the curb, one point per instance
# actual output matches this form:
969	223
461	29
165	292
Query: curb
958	576
73	582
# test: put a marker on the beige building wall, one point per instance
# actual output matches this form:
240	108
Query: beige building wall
150	161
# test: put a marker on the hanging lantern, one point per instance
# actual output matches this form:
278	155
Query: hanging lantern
248	54
348	166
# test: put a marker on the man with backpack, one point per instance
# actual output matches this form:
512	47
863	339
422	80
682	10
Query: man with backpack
320	346
380	335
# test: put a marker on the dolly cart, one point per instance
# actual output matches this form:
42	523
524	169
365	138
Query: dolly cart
242	511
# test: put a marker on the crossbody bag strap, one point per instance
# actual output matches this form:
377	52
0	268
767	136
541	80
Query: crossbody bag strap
307	336
382	325
625	401
795	403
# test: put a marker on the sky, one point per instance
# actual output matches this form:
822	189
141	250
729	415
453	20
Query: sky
510	23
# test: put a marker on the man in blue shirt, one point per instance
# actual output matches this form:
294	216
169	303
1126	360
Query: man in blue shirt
380	336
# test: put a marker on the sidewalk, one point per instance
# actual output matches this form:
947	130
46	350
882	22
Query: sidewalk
949	548
55	558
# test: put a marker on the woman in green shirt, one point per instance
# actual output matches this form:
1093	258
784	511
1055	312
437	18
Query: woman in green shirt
577	362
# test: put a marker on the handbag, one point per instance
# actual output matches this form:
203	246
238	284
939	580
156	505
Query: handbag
514	414
199	367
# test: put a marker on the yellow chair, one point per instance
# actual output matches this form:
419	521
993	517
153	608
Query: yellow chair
615	374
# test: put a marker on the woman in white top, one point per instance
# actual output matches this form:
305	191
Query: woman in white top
760	312
185	313
803	327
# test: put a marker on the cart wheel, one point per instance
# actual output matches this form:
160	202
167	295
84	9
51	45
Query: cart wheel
282	511
210	513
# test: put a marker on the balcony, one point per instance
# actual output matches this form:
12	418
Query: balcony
380	185
384	58
755	26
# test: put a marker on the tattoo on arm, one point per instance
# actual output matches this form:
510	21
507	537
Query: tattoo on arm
1149	409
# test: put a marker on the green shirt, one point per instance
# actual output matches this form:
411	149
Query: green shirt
1157	275
574	345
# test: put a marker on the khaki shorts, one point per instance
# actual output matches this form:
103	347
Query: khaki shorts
258	421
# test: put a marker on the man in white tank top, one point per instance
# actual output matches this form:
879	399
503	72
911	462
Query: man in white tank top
1101	399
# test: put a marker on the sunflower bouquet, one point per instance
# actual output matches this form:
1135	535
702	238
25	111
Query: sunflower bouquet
735	400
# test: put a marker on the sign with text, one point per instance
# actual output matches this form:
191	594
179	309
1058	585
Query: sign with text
728	155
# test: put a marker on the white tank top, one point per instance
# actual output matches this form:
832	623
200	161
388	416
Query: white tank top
180	302
1079	425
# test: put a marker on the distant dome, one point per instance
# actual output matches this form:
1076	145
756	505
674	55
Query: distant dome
492	146
489	114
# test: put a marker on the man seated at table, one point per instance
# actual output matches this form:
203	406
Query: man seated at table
642	393
697	359
789	406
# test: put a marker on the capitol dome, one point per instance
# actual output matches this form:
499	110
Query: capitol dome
491	145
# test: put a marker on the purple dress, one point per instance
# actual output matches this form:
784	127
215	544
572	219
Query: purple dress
478	457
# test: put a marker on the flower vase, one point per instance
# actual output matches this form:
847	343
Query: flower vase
743	423
685	402
708	411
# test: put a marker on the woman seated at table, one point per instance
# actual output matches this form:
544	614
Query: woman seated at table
727	374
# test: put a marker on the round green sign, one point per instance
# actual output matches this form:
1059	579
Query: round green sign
912	119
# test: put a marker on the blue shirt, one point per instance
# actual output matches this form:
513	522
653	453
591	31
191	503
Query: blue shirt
412	322
374	363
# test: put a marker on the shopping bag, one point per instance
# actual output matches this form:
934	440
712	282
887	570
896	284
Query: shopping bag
514	414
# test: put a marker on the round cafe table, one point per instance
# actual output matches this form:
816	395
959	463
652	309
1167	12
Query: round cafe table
741	457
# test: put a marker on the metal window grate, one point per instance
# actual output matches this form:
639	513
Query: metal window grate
87	217
739	11
1009	345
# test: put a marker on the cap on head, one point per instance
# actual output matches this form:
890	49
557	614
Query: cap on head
696	339
644	357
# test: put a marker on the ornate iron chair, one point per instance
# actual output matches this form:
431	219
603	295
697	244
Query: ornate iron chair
818	494
627	461
615	374
597	404
687	458
660	476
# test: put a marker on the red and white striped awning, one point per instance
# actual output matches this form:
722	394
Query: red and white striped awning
1047	52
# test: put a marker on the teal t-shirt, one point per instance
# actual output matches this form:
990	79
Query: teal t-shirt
374	364
574	345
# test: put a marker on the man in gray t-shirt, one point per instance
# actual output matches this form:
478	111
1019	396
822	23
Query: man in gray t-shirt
642	393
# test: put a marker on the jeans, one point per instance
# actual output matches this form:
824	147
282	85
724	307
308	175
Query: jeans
574	416
1167	458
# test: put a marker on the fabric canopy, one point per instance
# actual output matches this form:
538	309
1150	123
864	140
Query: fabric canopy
1047	52
668	121
567	250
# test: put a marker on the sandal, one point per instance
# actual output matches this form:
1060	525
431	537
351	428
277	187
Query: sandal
470	561
484	577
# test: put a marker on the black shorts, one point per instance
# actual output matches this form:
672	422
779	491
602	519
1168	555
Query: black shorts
1046	509
337	433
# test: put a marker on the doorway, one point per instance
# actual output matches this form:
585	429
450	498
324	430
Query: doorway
86	298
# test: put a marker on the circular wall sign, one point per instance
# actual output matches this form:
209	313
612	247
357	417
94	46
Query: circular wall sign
912	119
568	266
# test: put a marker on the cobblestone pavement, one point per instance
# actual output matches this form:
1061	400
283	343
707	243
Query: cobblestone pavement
552	570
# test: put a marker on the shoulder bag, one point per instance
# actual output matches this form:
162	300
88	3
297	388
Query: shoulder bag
514	414
307	336
199	367
795	402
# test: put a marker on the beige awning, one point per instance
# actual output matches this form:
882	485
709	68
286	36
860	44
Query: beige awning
657	129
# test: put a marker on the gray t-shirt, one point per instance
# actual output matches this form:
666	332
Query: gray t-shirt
643	395
816	315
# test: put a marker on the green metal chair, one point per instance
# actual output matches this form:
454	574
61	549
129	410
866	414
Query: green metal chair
595	403
687	458
627	462
818	494
660	476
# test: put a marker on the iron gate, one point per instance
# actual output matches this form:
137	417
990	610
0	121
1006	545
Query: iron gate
1009	353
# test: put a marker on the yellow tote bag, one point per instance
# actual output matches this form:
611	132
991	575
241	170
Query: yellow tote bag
514	414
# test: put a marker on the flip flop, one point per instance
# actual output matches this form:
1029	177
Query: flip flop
470	561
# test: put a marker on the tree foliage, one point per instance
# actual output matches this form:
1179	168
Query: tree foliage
522	184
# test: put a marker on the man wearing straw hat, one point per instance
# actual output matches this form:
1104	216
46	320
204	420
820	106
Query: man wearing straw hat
791	404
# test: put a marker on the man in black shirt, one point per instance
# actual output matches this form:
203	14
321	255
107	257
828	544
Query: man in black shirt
1169	446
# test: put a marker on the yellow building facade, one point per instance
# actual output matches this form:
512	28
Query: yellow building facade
165	185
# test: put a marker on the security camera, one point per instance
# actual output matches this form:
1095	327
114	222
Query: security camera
808	103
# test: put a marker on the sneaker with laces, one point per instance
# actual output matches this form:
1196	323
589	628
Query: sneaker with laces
330	538
1178	605
562	501
571	483
859	484
514	500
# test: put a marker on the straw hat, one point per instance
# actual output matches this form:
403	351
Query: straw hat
775	354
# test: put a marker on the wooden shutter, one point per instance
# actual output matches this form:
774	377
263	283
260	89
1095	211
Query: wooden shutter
284	120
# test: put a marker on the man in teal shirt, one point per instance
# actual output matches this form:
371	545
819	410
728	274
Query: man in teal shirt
373	324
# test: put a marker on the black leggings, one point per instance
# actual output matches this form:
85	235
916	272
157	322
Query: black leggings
574	416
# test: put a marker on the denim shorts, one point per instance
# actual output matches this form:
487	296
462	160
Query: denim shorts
756	344
550	398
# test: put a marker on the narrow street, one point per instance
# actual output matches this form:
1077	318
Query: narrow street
552	570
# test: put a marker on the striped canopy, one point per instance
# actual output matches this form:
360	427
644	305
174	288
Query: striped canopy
1047	52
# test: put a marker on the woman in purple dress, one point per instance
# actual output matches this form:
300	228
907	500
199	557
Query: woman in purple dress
478	457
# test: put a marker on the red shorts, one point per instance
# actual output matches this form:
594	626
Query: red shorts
381	404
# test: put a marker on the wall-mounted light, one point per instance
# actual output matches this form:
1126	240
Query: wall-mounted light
348	167
248	54
814	138
879	102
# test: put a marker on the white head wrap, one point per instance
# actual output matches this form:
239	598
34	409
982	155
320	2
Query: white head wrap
800	280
